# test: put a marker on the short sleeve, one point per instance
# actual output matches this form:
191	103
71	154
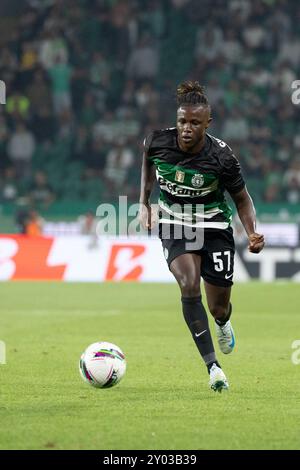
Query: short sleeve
147	145
232	178
147	142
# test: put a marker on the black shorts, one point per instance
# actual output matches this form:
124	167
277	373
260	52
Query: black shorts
217	254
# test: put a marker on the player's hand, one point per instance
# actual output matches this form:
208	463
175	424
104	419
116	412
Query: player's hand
256	243
146	216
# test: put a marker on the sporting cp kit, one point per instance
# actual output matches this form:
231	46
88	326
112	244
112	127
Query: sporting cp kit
194	216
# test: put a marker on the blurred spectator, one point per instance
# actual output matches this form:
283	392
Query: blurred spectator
88	223
82	144
9	185
41	193
273	181
280	21
106	128
291	181
144	60
44	125
232	96
61	74
8	60
88	114
293	192
33	224
153	18
28	59
296	139
290	50
214	92
66	124
4	134
230	47
127	124
95	157
99	70
236	127
128	97
118	162
271	193
254	35
88	226
284	76
208	42
260	76
39	93
21	219
52	49
20	150
146	95
123	31
18	105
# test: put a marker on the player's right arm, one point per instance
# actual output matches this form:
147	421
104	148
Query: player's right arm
147	182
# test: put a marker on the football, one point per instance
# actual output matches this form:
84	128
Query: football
102	365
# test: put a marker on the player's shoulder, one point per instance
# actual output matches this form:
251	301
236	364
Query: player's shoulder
219	145
222	150
160	138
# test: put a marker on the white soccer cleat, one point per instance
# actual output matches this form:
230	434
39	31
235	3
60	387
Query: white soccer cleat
217	381
225	335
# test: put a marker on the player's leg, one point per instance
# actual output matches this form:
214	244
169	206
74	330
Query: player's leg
186	269
217	272
218	301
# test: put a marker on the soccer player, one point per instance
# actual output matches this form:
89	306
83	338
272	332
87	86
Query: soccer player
193	170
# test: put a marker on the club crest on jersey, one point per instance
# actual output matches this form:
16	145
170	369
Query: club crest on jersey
179	176
197	181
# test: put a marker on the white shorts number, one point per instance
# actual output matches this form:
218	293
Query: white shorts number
219	263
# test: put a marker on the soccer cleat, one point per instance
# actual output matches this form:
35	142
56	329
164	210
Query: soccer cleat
217	381
226	339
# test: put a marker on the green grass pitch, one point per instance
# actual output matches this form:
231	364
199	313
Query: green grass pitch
164	401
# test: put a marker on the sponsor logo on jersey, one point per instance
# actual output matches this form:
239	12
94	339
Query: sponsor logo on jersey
197	181
179	176
176	190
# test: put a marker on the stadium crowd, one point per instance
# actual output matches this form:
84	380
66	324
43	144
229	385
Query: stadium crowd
87	80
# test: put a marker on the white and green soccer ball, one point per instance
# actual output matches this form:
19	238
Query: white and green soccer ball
102	365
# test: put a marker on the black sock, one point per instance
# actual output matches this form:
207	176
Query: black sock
197	321
222	321
209	366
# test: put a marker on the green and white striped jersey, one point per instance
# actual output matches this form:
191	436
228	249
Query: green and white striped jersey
192	186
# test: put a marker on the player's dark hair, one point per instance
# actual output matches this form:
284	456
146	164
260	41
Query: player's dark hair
191	93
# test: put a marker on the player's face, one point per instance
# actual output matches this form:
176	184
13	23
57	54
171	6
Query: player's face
192	122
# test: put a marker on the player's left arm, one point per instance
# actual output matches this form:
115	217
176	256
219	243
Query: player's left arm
234	183
246	211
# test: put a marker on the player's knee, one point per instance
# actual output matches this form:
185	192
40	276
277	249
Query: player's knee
218	311
189	286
